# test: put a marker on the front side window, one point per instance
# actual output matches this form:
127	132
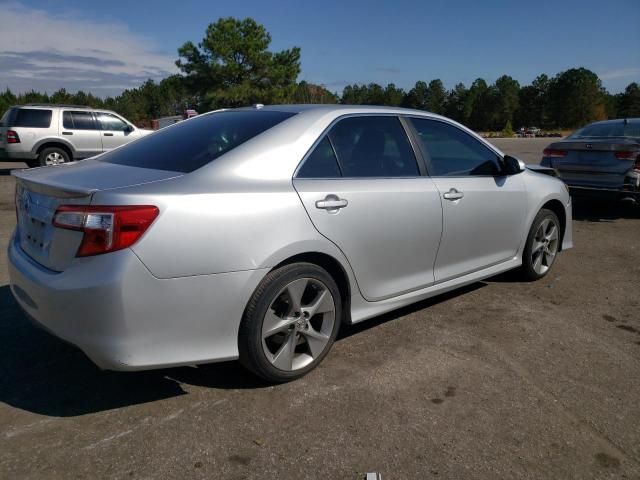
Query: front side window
32	118
371	146
187	146
453	152
111	122
78	121
321	163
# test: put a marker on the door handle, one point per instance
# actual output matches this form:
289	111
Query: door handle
108	134
453	194
67	133
332	203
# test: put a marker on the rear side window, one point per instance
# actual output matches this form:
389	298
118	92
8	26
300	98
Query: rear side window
78	121
187	146
453	152
372	146
32	118
322	163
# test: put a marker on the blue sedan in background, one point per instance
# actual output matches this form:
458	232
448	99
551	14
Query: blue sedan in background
601	158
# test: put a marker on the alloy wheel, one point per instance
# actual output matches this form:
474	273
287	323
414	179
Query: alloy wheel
54	158
297	326
545	246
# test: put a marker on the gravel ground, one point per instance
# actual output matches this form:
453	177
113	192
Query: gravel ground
500	380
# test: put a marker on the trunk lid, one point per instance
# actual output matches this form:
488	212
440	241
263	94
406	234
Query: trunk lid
40	191
593	163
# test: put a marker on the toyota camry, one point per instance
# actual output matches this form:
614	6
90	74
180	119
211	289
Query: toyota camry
255	233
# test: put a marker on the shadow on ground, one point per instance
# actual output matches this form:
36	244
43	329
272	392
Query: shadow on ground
603	210
44	375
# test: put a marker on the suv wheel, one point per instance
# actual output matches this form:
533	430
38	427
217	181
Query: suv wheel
53	156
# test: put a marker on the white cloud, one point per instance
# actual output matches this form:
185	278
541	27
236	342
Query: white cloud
620	73
46	51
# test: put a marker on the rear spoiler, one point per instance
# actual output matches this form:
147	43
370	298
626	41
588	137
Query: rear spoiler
28	178
544	170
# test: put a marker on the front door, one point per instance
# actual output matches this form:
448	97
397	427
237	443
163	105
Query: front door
362	189
483	210
115	131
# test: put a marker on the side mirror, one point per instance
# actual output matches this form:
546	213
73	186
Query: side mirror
513	166
129	129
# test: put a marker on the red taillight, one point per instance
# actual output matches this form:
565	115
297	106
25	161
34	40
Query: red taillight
105	228
552	152
627	155
12	136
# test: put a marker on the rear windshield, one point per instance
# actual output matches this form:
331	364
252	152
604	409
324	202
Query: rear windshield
609	129
188	146
31	118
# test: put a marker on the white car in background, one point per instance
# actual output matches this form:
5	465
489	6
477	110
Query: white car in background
43	134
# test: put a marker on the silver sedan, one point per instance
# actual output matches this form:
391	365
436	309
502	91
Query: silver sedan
254	233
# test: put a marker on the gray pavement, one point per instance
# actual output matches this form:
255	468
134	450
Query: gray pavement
500	380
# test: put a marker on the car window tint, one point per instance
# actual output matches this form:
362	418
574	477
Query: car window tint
453	152
5	118
321	163
189	145
609	129
111	122
372	146
78	121
33	118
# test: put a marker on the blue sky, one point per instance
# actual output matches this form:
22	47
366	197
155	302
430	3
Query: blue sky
105	47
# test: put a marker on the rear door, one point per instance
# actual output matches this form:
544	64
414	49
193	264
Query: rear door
115	131
483	210
363	190
81	129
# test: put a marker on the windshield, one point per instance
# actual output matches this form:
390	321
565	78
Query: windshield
189	145
609	129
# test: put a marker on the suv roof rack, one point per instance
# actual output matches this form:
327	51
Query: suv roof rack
52	105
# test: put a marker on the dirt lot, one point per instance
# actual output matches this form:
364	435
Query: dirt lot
500	380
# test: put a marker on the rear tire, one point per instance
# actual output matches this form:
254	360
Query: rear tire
53	156
542	247
290	322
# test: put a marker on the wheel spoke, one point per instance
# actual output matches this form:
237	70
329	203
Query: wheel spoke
552	233
537	262
283	358
537	246
295	290
273	324
316	341
322	303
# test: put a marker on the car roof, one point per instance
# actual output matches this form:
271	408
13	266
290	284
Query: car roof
52	105
617	120
301	108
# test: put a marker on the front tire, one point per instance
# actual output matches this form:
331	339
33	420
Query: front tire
543	244
53	156
290	322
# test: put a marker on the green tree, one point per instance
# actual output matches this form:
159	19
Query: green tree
628	103
459	104
436	97
417	96
393	96
507	93
232	66
310	93
576	97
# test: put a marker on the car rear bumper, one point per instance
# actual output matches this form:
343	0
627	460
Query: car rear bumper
15	156
124	318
